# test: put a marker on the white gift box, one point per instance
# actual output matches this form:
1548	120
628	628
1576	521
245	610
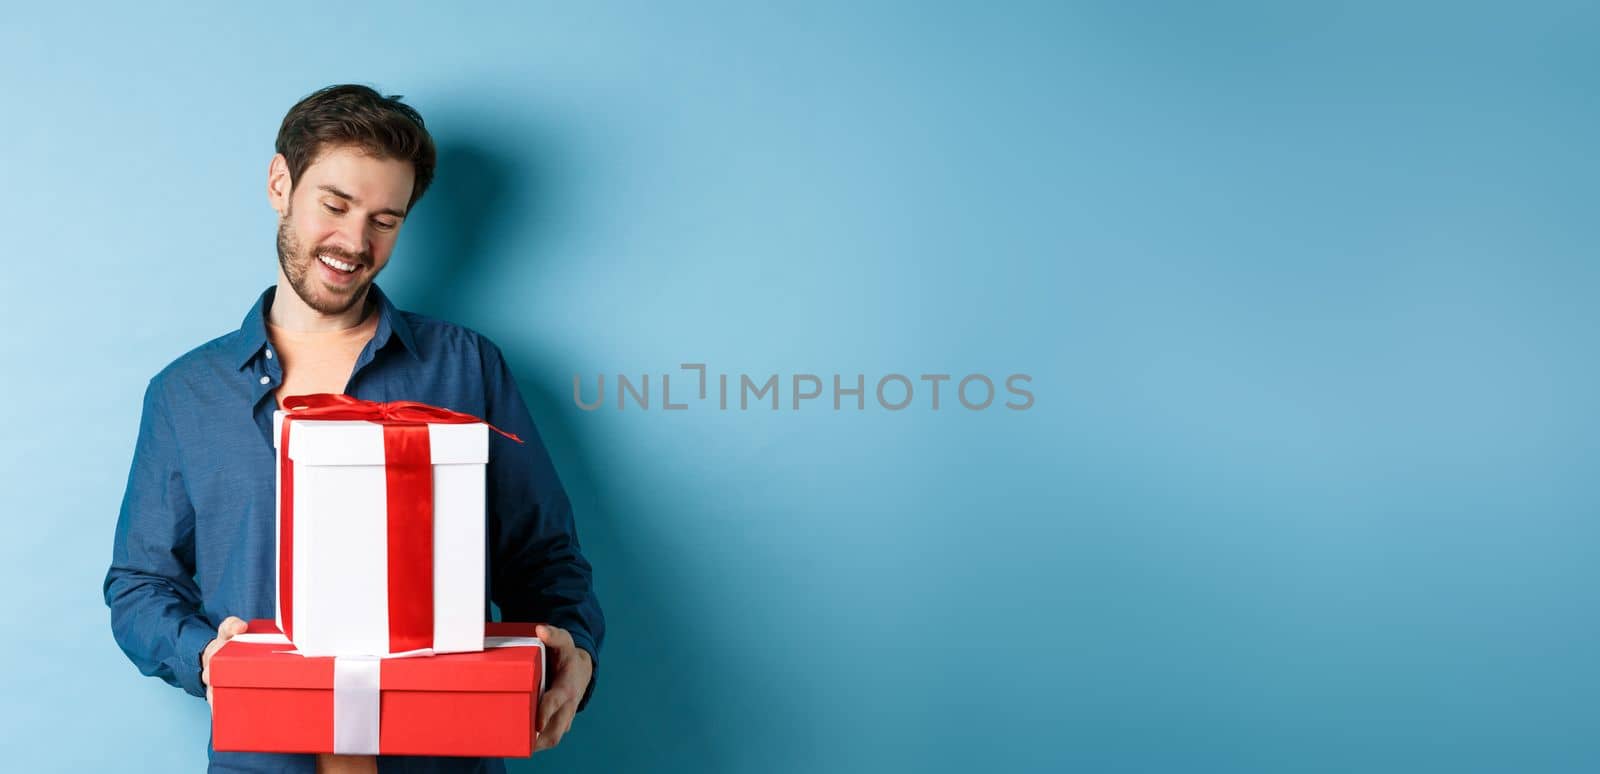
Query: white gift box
339	574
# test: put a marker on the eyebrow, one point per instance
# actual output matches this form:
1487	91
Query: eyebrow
352	200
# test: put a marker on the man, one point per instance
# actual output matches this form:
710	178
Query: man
194	549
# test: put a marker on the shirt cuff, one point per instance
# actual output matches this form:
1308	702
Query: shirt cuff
582	639
194	634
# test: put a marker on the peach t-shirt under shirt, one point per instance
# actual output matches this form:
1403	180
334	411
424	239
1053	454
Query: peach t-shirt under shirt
319	361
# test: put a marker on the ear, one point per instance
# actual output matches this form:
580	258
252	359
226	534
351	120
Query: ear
278	184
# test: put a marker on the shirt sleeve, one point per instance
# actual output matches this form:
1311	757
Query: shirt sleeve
150	587
538	572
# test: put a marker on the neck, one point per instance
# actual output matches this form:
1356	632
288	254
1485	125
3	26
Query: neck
289	311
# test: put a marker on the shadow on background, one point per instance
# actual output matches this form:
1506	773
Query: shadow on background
648	712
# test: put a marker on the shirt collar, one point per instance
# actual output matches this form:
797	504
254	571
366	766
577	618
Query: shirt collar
253	330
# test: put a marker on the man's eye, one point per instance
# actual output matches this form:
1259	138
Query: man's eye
383	225
333	209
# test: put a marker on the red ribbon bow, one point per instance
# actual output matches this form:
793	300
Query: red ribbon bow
408	475
327	405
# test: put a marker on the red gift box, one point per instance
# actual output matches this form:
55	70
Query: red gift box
266	699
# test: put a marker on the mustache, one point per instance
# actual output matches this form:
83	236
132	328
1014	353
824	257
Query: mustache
362	258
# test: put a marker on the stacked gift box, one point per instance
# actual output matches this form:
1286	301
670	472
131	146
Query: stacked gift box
380	644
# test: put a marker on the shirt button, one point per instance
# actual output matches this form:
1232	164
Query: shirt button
266	379
269	354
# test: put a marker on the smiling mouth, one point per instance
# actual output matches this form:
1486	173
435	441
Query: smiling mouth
337	266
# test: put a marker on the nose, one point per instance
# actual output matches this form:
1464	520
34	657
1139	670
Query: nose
351	238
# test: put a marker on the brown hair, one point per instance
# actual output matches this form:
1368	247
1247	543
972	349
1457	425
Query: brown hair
351	114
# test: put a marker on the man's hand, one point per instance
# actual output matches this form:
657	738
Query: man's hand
572	669
230	626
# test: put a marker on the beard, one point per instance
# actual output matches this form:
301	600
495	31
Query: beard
296	262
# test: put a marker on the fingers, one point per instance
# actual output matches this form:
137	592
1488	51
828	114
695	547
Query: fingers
560	703
554	636
564	655
555	721
570	679
551	703
557	726
231	626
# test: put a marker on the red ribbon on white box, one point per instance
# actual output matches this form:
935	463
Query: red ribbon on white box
408	481
357	688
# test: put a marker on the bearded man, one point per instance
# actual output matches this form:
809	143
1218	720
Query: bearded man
194	551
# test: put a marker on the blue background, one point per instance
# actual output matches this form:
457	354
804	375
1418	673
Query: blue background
1306	292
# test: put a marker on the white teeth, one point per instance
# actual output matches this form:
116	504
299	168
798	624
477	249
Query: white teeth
337	264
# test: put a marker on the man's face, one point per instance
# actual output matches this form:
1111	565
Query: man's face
339	223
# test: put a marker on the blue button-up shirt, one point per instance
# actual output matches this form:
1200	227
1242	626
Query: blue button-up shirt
195	538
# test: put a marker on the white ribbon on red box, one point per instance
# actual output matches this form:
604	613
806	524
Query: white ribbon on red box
355	704
356	687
